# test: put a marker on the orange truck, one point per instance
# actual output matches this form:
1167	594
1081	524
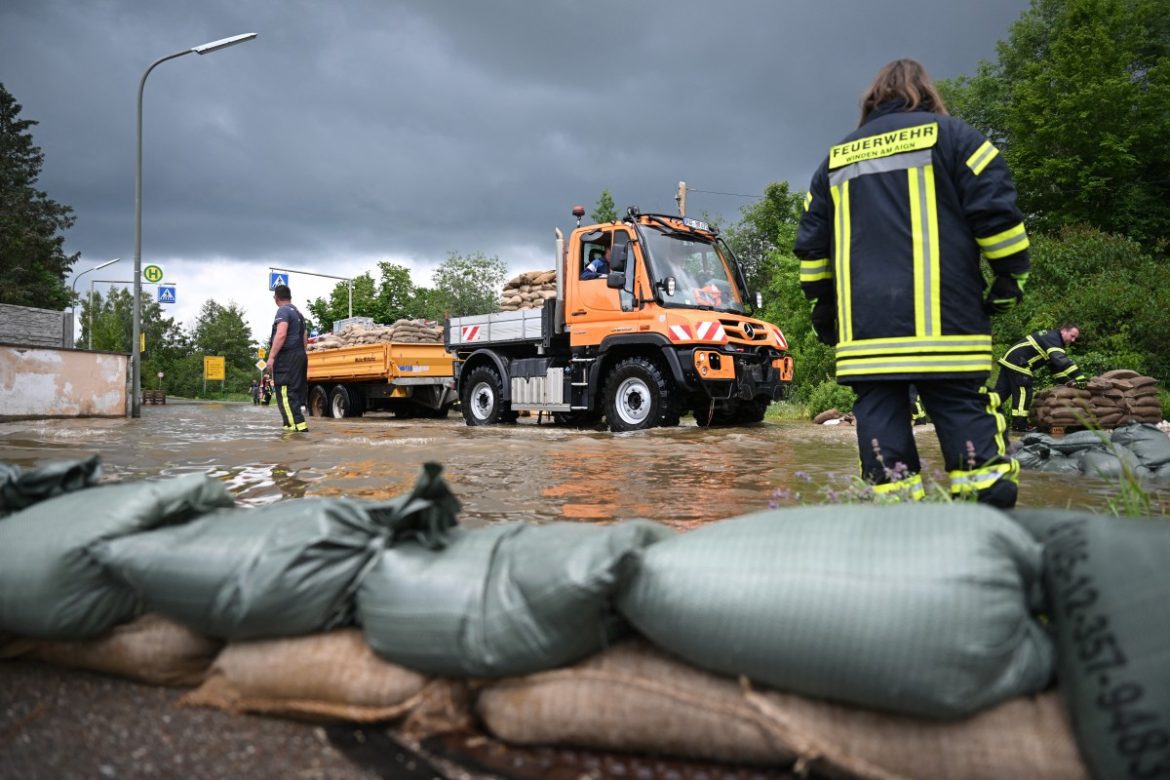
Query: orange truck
667	331
411	380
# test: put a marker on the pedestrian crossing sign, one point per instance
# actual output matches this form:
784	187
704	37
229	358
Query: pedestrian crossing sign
166	293
276	278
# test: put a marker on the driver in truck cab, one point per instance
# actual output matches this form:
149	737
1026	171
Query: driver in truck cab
598	265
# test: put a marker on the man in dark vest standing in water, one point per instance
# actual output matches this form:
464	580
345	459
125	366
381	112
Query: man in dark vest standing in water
288	361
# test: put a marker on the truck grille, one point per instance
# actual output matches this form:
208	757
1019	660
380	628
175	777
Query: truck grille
738	329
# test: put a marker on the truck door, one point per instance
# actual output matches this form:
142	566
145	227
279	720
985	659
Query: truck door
593	295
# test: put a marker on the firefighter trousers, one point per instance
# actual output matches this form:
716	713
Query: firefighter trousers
970	432
1015	389
291	378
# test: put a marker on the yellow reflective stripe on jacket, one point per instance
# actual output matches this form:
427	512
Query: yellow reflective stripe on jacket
807	200
906	139
983	155
974	480
975	343
924	233
815	270
843	238
910	487
926	364
1009	242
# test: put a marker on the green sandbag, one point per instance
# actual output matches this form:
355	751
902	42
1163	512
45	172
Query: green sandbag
921	609
51	587
1109	464
21	488
1150	445
284	569
1108	584
502	600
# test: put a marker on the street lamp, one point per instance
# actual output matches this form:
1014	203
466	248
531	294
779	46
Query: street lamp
73	300
135	338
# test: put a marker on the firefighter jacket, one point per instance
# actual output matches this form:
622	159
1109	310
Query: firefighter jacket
894	225
1043	346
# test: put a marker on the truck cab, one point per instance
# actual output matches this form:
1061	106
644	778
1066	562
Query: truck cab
666	329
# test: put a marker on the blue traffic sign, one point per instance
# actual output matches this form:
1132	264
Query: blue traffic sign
275	278
166	293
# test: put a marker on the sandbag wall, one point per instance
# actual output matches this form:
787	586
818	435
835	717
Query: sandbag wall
879	641
529	290
1113	399
1139	449
408	331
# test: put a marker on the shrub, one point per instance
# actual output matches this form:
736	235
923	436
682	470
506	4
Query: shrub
830	395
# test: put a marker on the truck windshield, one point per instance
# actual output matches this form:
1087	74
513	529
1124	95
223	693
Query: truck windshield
703	273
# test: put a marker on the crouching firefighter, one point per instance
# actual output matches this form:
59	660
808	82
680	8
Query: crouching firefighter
895	223
1016	369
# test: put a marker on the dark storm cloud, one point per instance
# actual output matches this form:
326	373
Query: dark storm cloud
410	129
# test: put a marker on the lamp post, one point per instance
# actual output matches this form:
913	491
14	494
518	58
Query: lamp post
135	355
73	300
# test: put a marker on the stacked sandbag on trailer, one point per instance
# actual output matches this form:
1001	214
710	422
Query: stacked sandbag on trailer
402	331
1108	586
921	610
529	290
507	599
284	569
52	586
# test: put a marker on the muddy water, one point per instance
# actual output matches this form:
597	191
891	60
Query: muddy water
680	476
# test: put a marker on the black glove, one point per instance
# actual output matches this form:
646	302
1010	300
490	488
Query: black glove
1003	295
824	321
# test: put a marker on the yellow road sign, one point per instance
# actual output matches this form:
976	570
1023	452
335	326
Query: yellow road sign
262	353
213	367
153	273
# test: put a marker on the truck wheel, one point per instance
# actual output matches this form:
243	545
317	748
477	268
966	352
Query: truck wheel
636	395
343	403
483	398
752	411
319	402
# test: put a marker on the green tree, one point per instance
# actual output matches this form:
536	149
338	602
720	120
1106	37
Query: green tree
470	284
221	330
366	303
765	227
110	320
35	264
1079	101
604	211
396	292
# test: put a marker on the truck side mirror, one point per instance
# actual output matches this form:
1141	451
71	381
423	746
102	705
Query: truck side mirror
618	256
616	280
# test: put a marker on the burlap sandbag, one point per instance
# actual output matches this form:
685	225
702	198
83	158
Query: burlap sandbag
331	676
635	698
1120	373
151	649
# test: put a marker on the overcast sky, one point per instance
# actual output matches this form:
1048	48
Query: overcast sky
356	131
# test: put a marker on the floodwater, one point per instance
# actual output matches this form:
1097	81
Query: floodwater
680	476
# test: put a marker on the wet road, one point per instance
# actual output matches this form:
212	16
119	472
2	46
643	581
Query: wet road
679	476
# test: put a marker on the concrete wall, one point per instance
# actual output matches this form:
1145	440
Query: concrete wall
35	327
46	382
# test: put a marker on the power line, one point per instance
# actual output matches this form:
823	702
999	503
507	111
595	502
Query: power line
731	194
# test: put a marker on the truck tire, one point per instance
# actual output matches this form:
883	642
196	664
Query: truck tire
752	411
483	398
319	402
343	403
636	395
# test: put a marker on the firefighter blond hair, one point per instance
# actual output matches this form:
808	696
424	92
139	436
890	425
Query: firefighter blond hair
904	80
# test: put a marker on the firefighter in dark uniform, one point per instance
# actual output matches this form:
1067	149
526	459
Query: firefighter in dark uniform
895	223
1024	357
288	360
